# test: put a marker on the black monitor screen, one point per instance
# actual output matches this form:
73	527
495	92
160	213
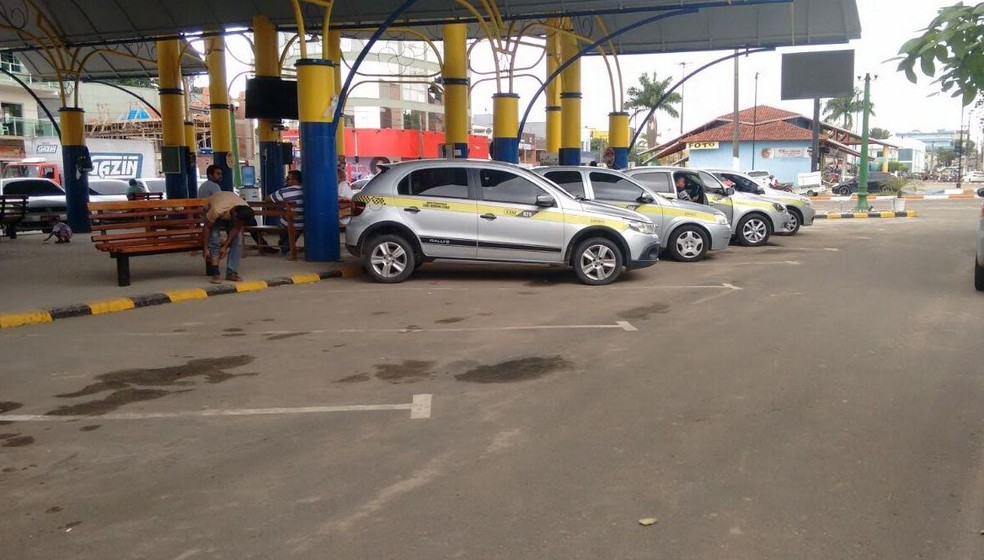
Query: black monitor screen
271	98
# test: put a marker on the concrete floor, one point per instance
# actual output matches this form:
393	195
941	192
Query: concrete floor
817	398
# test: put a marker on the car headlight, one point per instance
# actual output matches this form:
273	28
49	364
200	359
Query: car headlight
807	202
778	207
647	228
721	219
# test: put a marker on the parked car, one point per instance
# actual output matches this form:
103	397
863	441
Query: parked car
416	211
876	181
687	230
154	184
799	207
761	177
357	185
974	177
979	261
752	218
108	186
46	197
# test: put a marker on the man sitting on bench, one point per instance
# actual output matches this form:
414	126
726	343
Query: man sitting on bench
293	193
225	211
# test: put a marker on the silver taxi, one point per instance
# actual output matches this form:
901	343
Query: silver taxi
687	230
421	210
800	207
753	219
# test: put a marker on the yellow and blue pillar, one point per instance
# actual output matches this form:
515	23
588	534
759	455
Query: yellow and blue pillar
220	111
72	124
315	84
191	144
456	83
267	58
505	127
570	102
618	138
172	116
553	92
335	55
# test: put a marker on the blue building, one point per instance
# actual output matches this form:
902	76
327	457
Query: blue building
774	139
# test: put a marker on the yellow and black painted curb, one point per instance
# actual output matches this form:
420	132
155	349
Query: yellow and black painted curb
36	317
861	215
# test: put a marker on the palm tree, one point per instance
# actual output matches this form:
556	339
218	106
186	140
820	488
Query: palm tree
648	95
844	109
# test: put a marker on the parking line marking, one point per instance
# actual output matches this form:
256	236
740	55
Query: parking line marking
754	263
724	286
419	409
627	326
476	329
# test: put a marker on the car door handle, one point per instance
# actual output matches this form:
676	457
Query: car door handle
411	209
488	216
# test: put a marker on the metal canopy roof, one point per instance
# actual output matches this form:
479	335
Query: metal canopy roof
129	25
125	60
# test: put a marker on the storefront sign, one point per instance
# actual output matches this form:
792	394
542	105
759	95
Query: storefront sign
702	145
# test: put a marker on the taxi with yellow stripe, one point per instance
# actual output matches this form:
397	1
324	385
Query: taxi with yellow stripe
799	207
417	211
753	219
687	230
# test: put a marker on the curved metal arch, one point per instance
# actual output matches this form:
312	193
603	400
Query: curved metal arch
667	93
591	47
37	99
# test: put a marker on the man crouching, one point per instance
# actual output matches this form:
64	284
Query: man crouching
225	211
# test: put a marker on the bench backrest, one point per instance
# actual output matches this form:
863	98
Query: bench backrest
13	207
145	196
285	210
149	215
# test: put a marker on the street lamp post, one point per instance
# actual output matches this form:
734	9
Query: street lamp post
755	107
863	165
960	150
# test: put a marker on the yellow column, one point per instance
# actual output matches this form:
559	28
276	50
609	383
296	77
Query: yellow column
456	89
505	127
267	55
72	124
219	108
174	152
618	139
553	91
335	55
570	102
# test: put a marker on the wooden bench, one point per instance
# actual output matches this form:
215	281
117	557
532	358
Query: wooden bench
287	212
146	227
13	210
145	196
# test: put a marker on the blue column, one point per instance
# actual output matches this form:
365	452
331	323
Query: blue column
271	167
72	121
315	83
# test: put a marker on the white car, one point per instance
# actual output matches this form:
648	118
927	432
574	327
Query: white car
800	207
974	177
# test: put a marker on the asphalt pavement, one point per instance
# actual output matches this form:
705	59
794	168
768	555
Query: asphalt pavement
816	398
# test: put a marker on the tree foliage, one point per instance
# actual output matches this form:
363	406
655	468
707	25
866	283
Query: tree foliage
880	133
844	109
648	95
953	45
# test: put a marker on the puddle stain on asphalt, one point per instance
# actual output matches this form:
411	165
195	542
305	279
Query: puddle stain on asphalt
283	336
232	329
645	312
124	383
510	371
449	320
90	428
17	441
54	509
7	406
357	378
409	371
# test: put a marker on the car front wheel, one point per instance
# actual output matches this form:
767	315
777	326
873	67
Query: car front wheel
844	191
597	261
754	230
689	244
389	259
793	224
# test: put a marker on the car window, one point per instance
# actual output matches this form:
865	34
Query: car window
710	182
32	188
108	187
742	184
608	186
659	181
443	182
503	186
570	181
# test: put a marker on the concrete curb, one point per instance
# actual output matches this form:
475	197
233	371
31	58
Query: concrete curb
11	320
860	215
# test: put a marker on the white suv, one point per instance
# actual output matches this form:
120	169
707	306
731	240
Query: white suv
489	211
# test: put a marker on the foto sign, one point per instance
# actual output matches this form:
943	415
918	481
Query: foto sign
702	145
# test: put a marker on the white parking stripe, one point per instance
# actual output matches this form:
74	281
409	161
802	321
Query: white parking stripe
618	325
419	408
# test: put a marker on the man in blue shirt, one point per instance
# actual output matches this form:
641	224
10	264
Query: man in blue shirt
213	184
293	193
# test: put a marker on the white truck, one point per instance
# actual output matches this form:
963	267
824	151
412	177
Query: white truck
111	159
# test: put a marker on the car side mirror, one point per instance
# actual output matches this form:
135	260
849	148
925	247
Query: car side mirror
545	201
760	190
646	198
728	191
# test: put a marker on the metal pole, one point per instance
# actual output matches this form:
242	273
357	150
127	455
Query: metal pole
815	156
863	165
735	164
960	150
755	118
683	89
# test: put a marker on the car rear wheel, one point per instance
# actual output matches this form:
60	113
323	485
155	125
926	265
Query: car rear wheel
688	244
597	261
389	258
793	224
844	191
978	276
754	230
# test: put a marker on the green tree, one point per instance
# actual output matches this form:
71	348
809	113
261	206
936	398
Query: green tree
844	109
959	145
647	95
945	156
952	43
880	133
